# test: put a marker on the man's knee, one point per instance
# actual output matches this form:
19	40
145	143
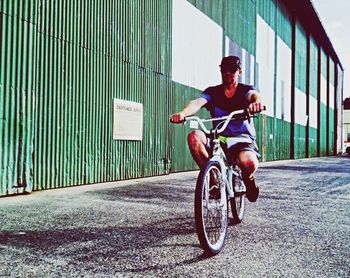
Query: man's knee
248	162
196	138
249	166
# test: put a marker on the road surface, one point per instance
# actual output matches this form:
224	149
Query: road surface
299	227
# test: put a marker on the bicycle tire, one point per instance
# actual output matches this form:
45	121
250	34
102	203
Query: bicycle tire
210	213
237	203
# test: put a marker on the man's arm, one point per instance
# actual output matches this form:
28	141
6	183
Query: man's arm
190	109
254	101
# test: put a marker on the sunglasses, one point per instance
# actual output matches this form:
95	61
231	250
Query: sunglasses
231	69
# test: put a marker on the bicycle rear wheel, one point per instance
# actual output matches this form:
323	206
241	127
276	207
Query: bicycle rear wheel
238	201
210	208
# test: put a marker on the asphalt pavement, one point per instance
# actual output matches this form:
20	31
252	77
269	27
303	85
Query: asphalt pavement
299	227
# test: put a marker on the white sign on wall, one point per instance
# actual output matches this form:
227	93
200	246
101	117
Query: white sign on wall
127	120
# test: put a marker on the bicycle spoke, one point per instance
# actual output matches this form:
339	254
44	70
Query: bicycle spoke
211	208
215	212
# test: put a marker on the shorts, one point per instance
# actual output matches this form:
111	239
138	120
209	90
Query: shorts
232	150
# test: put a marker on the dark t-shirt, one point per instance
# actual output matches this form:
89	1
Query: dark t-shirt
219	105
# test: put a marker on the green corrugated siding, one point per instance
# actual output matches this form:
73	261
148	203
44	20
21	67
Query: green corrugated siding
267	9
278	17
313	94
300	83
182	159
274	134
238	19
282	129
323	130
313	69
283	139
66	61
260	127
277	139
299	141
63	62
271	146
339	102
300	58
283	24
323	107
213	9
16	97
240	23
330	131
24	10
312	142
277	147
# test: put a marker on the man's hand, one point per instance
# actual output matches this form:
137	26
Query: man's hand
256	107
177	118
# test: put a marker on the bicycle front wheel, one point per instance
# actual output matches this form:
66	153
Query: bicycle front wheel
238	201
210	208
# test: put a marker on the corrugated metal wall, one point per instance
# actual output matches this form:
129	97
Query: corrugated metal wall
313	96
181	158
63	62
103	50
339	77
300	92
282	127
17	95
323	103
276	129
331	110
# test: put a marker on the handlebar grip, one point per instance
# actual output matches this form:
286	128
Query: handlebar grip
181	122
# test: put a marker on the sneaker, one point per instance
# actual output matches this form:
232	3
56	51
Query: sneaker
252	192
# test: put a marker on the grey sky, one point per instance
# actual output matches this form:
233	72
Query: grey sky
334	15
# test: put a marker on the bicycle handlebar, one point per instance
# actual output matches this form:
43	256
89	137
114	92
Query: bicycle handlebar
227	119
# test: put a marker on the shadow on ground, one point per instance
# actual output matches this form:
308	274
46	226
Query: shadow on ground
91	246
149	193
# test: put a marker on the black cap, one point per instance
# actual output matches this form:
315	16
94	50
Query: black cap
230	63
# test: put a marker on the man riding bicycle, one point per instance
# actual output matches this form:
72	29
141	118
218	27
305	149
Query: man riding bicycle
220	100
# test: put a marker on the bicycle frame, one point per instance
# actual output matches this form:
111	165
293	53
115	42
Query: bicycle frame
227	168
211	206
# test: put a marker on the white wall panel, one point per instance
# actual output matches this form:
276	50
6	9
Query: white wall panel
196	47
323	90
265	52
243	62
331	96
247	60
284	76
300	107
313	112
252	70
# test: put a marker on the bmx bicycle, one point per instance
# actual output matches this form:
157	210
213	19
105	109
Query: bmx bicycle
219	185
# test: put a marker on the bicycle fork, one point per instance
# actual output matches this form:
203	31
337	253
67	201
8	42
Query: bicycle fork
237	187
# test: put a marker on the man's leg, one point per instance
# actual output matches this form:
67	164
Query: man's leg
196	142
248	162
